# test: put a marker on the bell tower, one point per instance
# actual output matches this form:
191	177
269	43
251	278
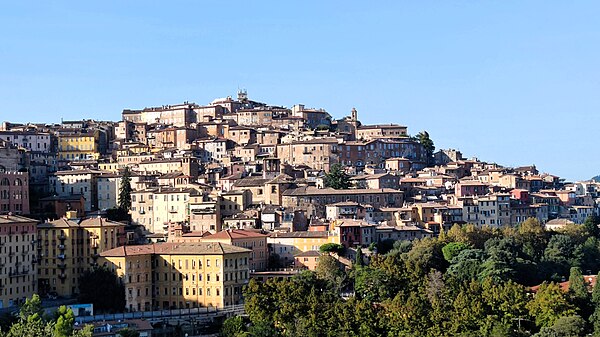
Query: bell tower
354	115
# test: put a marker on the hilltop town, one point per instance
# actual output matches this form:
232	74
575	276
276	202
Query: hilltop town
236	190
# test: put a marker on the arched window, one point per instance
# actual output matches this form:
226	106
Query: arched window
4	182
18	182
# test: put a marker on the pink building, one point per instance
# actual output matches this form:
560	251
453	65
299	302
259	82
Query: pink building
14	192
471	188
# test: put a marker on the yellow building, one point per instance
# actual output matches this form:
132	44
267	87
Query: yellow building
68	248
180	275
17	259
287	245
78	146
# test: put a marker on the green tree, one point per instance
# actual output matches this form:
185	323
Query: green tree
337	178
262	329
466	266
452	249
86	331
32	309
332	248
428	146
233	326
549	304
125	190
579	294
328	269
102	288
358	259
591	226
570	326
559	255
372	284
64	322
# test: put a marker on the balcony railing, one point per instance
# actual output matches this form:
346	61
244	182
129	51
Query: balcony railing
18	273
61	256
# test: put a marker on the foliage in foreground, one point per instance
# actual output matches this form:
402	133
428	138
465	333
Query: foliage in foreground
468	282
32	322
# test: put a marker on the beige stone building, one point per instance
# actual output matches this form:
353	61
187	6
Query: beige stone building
319	154
369	132
67	248
155	208
17	259
255	241
180	275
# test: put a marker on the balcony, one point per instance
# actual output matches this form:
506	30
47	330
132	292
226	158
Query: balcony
61	247
62	236
62	276
61	256
18	273
62	265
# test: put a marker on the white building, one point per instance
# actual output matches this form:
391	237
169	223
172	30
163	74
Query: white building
77	182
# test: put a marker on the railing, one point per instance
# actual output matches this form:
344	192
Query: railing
237	309
18	273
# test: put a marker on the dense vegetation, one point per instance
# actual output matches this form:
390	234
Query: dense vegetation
32	322
468	282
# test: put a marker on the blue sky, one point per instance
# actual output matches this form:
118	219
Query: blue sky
515	82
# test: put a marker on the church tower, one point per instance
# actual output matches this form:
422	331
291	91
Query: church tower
354	115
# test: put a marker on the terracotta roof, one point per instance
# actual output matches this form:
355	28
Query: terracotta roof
10	219
301	234
590	281
251	182
99	222
310	190
172	248
310	253
235	234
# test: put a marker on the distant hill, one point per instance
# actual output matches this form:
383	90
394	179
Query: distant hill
596	178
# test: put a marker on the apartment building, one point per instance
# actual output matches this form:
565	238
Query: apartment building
369	132
74	145
313	199
155	208
108	190
14	192
255	241
180	275
205	214
356	233
17	260
67	248
189	166
287	245
319	153
77	182
29	140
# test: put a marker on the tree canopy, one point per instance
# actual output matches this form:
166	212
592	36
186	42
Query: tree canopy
337	178
102	288
472	281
